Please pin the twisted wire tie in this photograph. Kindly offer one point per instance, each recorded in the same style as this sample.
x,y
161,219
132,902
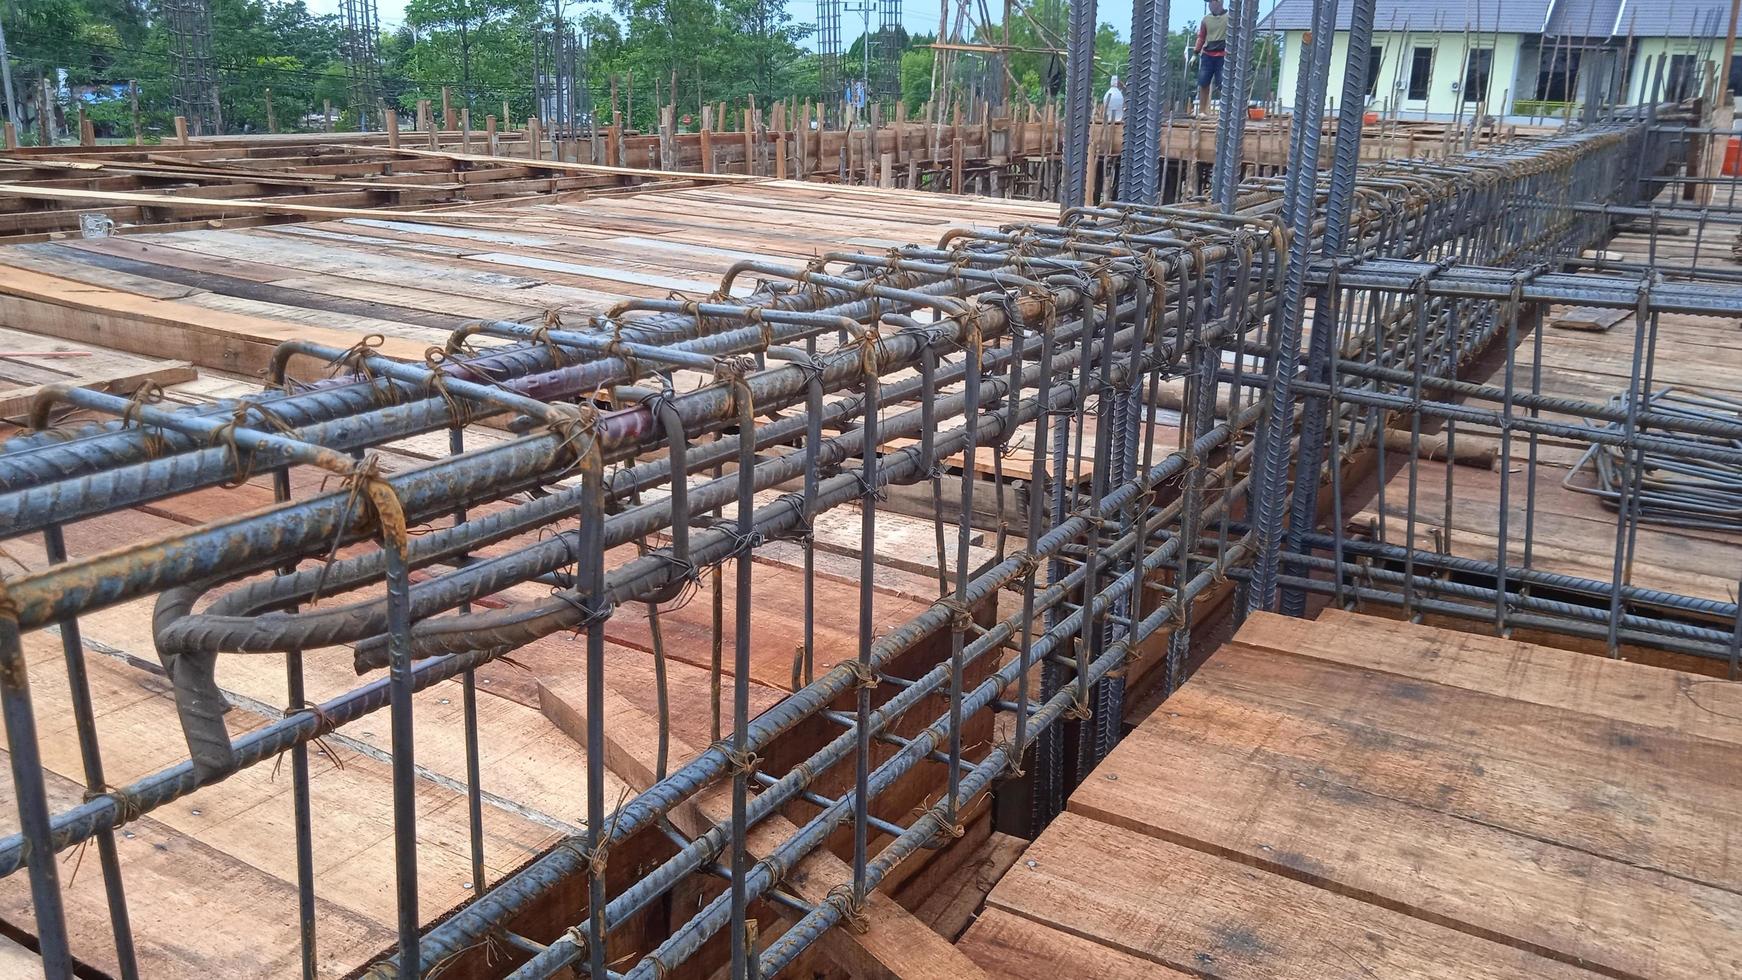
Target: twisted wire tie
x,y
843,901
127,805
355,358
323,724
149,393
433,360
947,829
863,677
553,320
614,348
573,424
1080,709
961,615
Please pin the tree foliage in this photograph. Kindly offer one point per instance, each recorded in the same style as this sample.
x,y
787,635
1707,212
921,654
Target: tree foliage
x,y
690,52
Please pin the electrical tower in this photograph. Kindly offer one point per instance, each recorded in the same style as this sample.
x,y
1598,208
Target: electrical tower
x,y
361,48
195,79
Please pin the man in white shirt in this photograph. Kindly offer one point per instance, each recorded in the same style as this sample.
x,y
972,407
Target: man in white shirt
x,y
1113,103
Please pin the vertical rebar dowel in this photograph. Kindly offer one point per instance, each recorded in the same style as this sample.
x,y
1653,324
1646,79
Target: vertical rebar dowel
x,y
590,577
469,720
32,797
1036,510
1145,90
867,609
1345,157
1079,103
302,810
1276,428
964,540
743,563
79,686
404,768
1236,90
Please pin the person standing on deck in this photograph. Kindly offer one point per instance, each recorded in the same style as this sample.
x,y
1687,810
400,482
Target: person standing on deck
x,y
1113,103
1212,45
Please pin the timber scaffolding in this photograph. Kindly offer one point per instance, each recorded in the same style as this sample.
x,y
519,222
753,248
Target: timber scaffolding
x,y
799,713
238,181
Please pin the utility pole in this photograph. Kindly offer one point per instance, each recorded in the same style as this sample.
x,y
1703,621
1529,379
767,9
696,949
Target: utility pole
x,y
12,103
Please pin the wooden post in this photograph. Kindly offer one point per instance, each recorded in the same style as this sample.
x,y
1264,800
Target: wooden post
x,y
707,141
423,115
44,114
490,136
447,111
11,135
133,98
391,119
668,138
760,135
957,171
780,155
328,103
534,138
271,117
465,130
804,141
749,145
87,132
181,130
886,170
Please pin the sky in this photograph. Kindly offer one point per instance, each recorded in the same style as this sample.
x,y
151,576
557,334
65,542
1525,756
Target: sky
x,y
919,16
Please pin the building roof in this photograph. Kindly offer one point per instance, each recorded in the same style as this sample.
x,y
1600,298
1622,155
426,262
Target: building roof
x,y
1568,18
1583,18
1672,18
1506,16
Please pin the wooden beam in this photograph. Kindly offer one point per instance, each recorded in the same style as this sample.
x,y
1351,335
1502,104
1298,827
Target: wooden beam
x,y
81,313
17,402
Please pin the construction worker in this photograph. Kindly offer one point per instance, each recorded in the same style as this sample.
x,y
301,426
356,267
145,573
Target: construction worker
x,y
1113,103
1212,45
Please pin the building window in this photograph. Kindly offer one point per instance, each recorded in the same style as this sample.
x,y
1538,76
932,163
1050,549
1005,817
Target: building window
x,y
1421,73
1558,79
1476,71
1375,59
1679,80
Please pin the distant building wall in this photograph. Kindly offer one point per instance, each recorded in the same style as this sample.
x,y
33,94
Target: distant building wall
x,y
1684,52
1443,55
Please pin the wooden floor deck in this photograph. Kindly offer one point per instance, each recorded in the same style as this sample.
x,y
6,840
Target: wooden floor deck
x,y
1357,797
211,878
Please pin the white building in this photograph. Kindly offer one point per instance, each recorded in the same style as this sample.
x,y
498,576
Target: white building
x,y
1436,59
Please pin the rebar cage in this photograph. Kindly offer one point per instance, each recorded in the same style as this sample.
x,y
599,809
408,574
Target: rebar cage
x,y
1201,388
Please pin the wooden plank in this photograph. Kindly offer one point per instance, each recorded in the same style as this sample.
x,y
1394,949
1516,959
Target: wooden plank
x,y
1642,796
1010,946
1635,693
1478,878
893,944
955,893
18,401
209,913
1182,909
1590,319
16,960
82,313
249,205
585,168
